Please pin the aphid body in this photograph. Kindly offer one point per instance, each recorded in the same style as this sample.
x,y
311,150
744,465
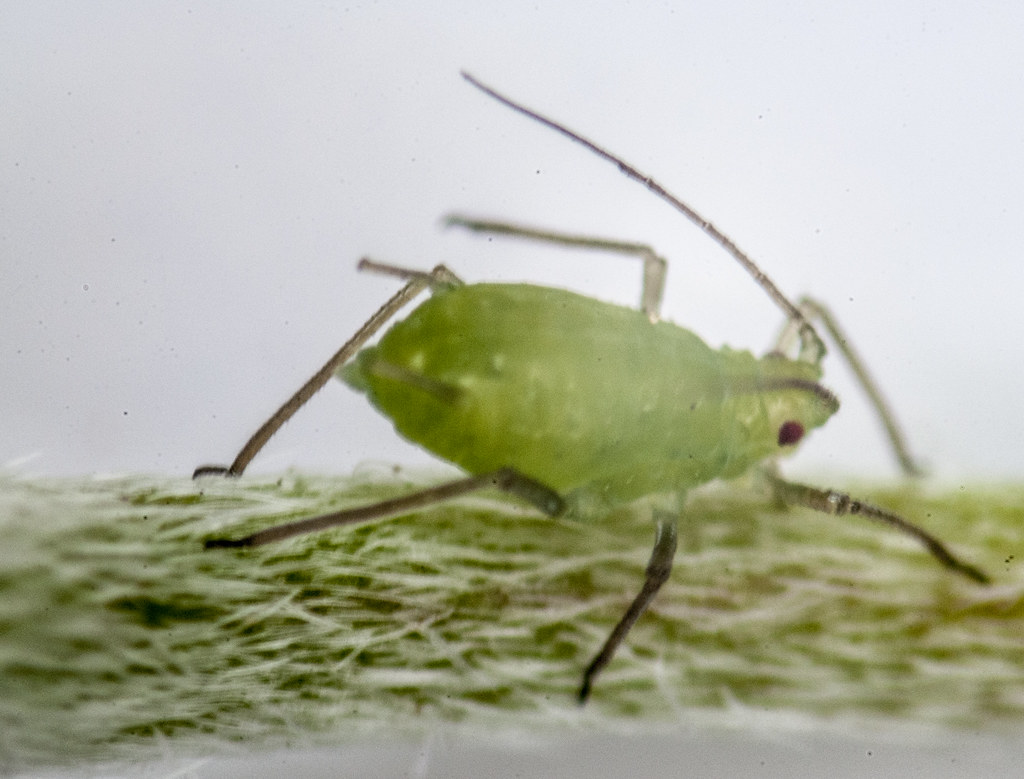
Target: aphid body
x,y
591,399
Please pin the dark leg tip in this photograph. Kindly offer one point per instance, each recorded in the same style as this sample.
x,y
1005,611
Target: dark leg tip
x,y
211,470
225,543
584,693
974,573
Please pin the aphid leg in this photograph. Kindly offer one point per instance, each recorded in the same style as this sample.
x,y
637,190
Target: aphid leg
x,y
840,504
653,283
441,390
816,311
417,282
811,346
658,569
505,479
440,276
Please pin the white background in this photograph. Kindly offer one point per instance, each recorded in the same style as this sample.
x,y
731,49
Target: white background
x,y
187,188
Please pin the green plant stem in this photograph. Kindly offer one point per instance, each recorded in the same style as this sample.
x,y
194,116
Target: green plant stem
x,y
120,633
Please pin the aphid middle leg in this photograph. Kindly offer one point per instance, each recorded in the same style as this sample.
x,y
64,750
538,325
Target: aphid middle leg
x,y
416,284
814,310
840,504
652,286
658,569
505,479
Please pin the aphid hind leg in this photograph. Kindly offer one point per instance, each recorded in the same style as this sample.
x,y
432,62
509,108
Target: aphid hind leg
x,y
654,266
816,311
506,479
417,281
840,504
658,569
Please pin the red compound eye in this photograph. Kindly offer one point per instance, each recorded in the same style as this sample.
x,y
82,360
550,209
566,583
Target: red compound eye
x,y
790,433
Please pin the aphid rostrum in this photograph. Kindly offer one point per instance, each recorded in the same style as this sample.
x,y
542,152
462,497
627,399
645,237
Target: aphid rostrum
x,y
575,405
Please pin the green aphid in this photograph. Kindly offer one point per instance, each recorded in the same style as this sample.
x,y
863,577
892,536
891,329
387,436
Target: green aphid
x,y
577,406
591,399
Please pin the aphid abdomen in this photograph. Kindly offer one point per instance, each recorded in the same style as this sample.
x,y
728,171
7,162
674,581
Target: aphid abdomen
x,y
576,393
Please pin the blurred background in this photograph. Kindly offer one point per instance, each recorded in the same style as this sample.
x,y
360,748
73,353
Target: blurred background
x,y
188,187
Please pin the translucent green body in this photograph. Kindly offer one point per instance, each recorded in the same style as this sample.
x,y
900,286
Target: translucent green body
x,y
589,398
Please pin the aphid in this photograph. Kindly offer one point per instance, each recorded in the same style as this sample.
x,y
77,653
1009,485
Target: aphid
x,y
576,405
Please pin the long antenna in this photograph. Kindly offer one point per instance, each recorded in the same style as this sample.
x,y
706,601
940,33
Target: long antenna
x,y
812,348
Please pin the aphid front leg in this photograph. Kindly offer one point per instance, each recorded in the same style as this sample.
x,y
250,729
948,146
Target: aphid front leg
x,y
658,569
506,479
840,504
417,282
814,310
438,278
652,286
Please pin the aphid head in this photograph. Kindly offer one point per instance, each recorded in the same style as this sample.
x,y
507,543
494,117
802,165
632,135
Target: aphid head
x,y
795,405
772,408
